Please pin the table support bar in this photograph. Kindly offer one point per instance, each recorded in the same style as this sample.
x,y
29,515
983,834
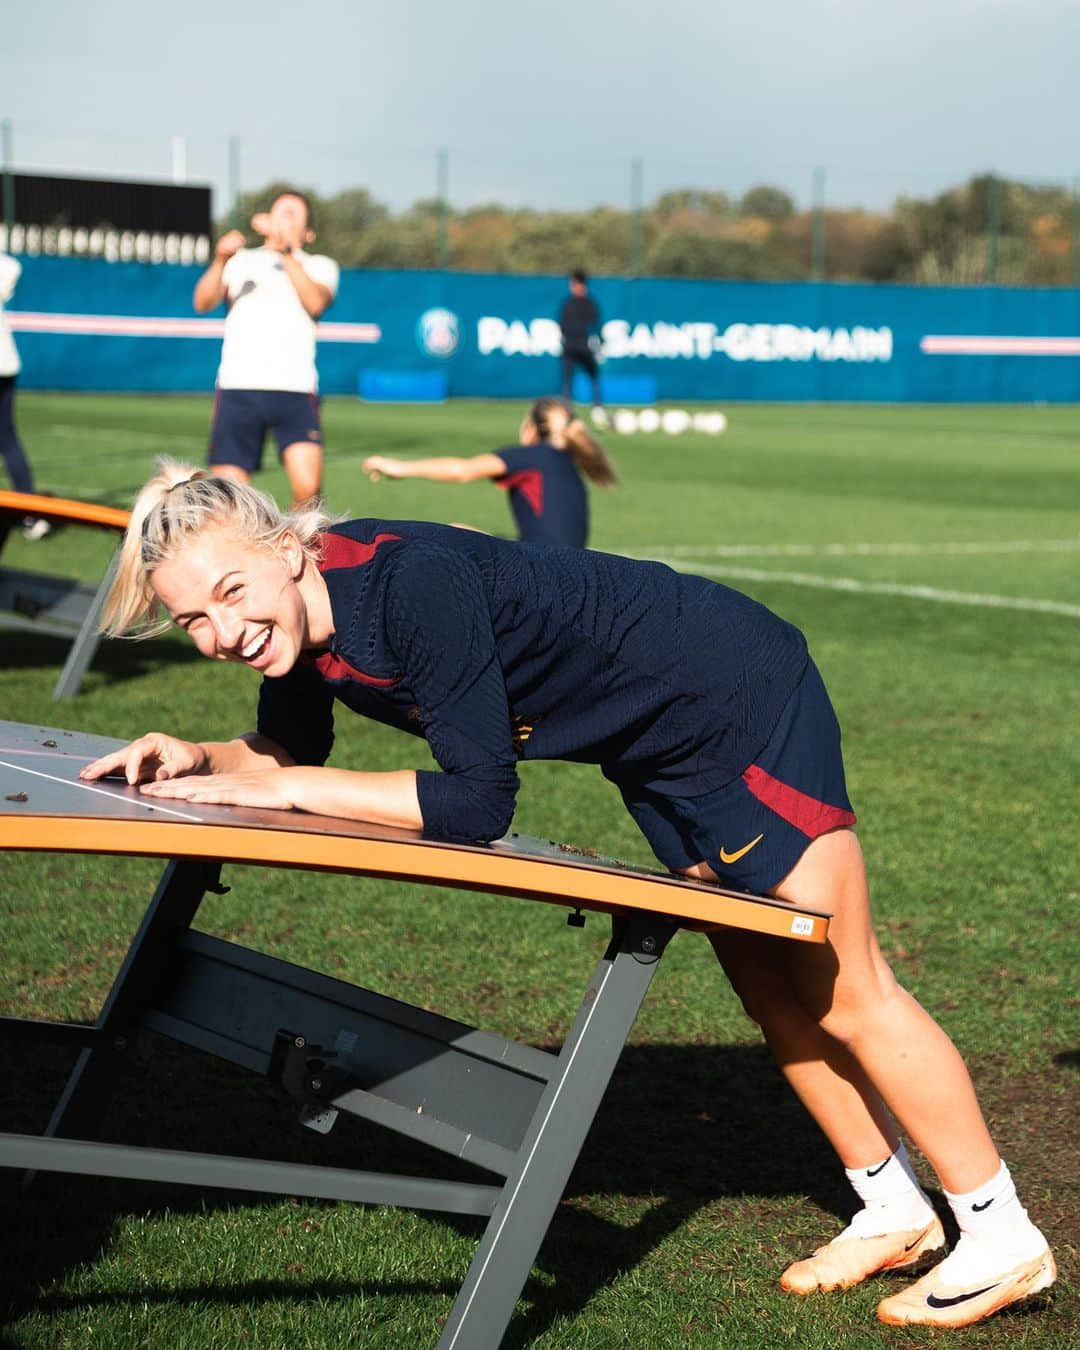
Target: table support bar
x,y
243,1174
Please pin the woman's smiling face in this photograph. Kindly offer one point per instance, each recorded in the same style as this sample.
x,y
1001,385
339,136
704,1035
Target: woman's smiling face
x,y
237,602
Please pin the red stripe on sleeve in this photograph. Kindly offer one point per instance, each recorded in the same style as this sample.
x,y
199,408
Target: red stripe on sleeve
x,y
334,667
341,551
530,483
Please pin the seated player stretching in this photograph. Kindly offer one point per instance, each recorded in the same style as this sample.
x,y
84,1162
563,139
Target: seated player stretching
x,y
701,705
542,474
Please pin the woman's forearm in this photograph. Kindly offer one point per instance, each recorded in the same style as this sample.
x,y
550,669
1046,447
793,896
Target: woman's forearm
x,y
442,469
439,469
210,287
262,783
244,754
381,798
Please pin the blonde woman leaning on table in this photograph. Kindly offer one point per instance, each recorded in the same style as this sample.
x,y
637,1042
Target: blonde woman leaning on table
x,y
700,704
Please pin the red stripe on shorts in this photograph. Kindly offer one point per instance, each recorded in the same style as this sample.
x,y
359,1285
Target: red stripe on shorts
x,y
797,808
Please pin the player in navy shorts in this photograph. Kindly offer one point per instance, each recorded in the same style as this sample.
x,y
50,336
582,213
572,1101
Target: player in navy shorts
x,y
267,381
542,475
243,418
700,704
755,828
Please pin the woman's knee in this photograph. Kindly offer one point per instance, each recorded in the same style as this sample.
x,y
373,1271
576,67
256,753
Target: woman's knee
x,y
761,987
858,1007
764,1004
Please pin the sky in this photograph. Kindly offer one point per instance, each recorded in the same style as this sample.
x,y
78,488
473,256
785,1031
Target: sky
x,y
548,104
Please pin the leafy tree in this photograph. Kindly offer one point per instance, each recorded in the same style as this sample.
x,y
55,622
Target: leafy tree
x,y
691,201
248,203
696,253
344,221
769,203
694,232
889,253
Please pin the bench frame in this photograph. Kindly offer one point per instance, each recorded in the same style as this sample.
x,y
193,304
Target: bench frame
x,y
517,1112
59,606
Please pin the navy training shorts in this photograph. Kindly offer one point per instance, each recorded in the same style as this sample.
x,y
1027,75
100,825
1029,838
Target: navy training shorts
x,y
242,417
753,830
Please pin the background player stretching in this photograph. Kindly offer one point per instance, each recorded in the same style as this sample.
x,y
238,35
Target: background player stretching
x,y
542,474
267,379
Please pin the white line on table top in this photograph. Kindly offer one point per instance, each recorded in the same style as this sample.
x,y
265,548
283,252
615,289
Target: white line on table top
x,y
52,778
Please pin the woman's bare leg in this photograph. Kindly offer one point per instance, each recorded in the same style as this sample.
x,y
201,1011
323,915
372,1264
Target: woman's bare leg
x,y
824,1076
890,1054
303,461
849,990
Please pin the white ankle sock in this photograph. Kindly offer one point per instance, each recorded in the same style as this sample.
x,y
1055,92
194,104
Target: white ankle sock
x,y
891,1194
992,1213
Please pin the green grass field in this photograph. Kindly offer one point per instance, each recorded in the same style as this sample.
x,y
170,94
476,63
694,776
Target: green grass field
x,y
930,555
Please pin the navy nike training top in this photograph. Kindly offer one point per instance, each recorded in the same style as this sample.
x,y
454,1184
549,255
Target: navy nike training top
x,y
547,496
497,651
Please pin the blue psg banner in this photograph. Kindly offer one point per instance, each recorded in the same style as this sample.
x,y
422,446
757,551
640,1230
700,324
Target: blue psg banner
x,y
89,324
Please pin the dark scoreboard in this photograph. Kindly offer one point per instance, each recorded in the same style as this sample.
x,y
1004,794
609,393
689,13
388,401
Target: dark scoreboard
x,y
94,203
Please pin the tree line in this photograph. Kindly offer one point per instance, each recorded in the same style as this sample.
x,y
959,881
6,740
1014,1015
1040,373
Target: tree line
x,y
989,230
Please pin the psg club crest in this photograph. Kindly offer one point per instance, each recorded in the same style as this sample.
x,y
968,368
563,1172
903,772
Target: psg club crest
x,y
438,332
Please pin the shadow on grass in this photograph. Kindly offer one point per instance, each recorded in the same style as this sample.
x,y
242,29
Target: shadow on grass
x,y
682,1125
120,660
235,1295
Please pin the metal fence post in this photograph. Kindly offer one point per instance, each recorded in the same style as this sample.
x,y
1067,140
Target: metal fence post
x,y
234,172
637,206
993,227
442,190
7,172
178,158
1074,235
817,237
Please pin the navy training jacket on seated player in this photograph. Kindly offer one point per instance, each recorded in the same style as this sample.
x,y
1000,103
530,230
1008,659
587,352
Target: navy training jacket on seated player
x,y
547,496
495,651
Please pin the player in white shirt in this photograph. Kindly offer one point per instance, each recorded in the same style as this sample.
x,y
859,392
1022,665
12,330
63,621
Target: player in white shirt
x,y
267,379
22,479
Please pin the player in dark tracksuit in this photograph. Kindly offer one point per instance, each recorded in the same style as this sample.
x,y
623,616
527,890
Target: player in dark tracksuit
x,y
700,704
614,662
542,475
579,323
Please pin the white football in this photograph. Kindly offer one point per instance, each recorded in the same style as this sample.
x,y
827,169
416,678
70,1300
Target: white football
x,y
675,421
648,420
625,421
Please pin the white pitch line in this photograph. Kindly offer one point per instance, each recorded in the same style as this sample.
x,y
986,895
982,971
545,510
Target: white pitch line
x,y
120,433
21,768
905,550
854,586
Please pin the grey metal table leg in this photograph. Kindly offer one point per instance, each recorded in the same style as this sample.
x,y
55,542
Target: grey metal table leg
x,y
168,917
81,652
551,1145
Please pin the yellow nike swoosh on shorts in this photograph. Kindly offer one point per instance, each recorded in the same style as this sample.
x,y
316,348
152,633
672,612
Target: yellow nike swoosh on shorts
x,y
726,857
